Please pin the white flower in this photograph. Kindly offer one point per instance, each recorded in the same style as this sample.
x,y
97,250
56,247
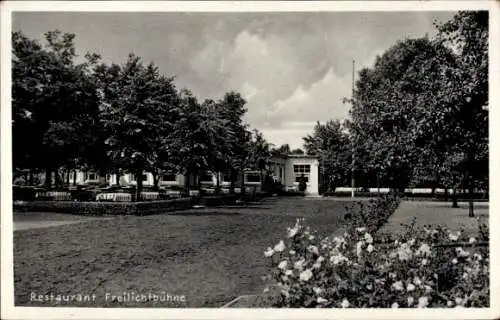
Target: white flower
x,y
293,231
280,246
392,275
449,304
317,290
305,275
428,288
359,247
321,300
311,237
472,240
410,301
283,264
423,302
269,252
266,289
317,264
299,264
345,303
478,257
424,262
313,249
424,250
338,259
417,281
369,248
411,242
288,272
368,238
398,286
369,286
454,261
292,252
458,301
361,230
453,237
410,287
395,305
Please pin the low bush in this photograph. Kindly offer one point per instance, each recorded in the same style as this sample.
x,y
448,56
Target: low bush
x,y
374,214
428,267
104,208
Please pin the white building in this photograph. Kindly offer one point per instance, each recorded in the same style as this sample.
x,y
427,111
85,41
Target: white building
x,y
286,169
291,168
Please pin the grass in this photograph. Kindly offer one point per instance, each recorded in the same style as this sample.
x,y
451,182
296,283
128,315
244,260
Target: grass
x,y
208,255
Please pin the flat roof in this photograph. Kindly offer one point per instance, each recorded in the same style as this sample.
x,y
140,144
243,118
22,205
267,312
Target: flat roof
x,y
296,156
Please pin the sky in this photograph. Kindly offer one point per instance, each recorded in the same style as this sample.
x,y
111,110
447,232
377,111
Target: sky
x,y
293,69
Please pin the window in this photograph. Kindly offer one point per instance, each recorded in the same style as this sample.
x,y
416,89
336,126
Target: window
x,y
281,173
206,177
226,177
92,176
133,177
301,171
169,177
252,177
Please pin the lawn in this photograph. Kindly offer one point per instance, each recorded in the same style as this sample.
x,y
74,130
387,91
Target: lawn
x,y
208,255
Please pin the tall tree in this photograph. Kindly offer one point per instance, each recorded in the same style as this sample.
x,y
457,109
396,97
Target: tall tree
x,y
54,103
135,118
330,143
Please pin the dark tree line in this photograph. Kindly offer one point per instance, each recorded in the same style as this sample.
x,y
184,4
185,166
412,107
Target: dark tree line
x,y
419,115
117,118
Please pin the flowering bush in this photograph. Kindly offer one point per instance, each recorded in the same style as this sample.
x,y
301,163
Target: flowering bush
x,y
374,214
361,270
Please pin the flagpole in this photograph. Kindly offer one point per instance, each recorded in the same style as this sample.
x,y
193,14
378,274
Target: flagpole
x,y
353,150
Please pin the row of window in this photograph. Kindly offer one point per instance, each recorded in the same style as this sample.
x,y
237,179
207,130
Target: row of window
x,y
299,170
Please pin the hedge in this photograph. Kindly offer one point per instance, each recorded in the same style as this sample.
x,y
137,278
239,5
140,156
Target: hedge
x,y
104,208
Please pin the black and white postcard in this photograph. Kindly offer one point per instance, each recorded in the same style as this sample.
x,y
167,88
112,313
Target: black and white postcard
x,y
249,159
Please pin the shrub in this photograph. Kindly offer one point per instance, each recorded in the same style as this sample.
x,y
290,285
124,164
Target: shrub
x,y
430,267
374,214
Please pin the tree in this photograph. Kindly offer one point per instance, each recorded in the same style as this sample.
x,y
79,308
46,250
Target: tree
x,y
231,110
282,150
297,151
137,118
465,94
54,104
384,115
259,152
331,144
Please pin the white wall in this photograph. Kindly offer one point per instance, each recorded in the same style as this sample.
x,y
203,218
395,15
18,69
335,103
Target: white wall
x,y
312,185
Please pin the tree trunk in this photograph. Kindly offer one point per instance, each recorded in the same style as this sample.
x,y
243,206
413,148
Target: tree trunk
x,y
233,178
156,178
243,182
31,178
117,177
446,194
48,178
138,189
68,172
74,177
471,197
454,197
102,177
217,186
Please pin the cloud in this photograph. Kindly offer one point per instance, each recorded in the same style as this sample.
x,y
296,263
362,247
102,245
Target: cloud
x,y
292,68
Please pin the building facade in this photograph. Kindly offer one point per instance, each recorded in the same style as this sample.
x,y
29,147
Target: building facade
x,y
288,170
